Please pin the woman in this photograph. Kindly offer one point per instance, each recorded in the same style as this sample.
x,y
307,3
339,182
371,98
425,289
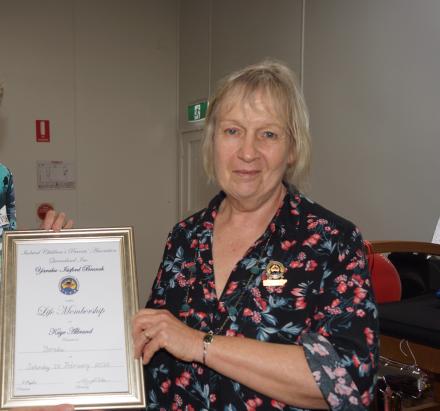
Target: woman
x,y
263,299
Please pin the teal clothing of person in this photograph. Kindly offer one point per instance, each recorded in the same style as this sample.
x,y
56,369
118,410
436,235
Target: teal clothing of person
x,y
7,204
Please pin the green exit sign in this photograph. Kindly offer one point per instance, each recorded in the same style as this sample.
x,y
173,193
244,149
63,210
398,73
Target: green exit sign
x,y
197,111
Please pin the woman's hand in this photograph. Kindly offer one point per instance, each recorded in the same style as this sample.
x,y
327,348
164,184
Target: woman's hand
x,y
156,329
56,221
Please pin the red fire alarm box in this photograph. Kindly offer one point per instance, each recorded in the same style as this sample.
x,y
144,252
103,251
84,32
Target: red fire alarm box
x,y
42,131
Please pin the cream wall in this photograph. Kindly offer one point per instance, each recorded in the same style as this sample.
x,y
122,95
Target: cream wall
x,y
371,77
370,71
104,72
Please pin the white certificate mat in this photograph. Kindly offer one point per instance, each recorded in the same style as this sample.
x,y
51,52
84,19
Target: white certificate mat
x,y
67,303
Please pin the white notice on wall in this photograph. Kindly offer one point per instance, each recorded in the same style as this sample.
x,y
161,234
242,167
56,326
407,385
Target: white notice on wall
x,y
55,175
436,237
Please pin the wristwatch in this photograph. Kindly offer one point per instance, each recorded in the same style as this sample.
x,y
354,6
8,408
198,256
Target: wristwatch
x,y
207,339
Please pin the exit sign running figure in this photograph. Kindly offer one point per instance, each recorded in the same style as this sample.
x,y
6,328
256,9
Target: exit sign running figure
x,y
197,111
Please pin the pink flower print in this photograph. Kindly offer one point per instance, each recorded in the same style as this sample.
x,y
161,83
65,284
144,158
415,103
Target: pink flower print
x,y
353,400
221,307
300,303
178,400
261,303
318,316
256,317
296,264
189,264
343,389
181,280
165,386
194,243
312,240
212,398
360,294
297,292
369,335
356,361
231,333
206,269
311,265
320,349
334,232
352,265
342,287
366,398
341,278
287,245
247,312
329,371
340,372
317,375
208,294
356,278
312,225
333,400
323,332
302,256
184,379
208,225
231,288
184,314
256,292
360,313
277,404
251,405
335,302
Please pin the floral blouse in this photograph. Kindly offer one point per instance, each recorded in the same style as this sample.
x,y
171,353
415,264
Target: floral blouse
x,y
326,305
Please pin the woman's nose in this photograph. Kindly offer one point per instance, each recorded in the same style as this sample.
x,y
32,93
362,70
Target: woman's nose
x,y
248,149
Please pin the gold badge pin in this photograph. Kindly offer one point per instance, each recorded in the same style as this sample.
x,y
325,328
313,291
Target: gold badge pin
x,y
275,274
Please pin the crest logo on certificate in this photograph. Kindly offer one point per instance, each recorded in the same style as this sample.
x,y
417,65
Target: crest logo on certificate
x,y
69,285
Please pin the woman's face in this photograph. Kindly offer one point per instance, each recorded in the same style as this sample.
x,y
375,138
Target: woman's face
x,y
251,148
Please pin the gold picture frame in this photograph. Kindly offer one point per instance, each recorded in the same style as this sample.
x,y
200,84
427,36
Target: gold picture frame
x,y
67,299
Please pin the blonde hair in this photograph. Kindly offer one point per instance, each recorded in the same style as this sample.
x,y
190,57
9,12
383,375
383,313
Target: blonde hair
x,y
279,82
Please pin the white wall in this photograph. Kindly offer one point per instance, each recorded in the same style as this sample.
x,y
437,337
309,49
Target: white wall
x,y
371,82
104,72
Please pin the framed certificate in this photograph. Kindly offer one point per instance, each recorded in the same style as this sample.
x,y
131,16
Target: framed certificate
x,y
67,299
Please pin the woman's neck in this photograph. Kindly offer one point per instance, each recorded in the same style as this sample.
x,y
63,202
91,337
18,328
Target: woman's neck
x,y
236,212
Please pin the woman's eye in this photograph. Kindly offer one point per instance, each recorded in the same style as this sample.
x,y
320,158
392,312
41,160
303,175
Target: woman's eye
x,y
231,131
269,134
